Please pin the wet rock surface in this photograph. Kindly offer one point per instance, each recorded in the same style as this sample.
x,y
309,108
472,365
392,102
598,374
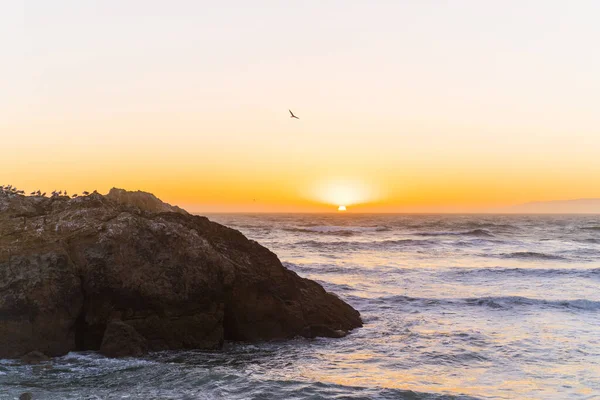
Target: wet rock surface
x,y
122,340
34,357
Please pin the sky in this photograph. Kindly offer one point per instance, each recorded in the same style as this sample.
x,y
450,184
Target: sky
x,y
404,106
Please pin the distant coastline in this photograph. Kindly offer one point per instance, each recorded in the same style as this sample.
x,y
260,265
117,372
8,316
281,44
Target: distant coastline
x,y
576,206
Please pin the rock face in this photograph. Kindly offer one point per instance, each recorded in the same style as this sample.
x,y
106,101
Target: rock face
x,y
122,340
68,267
142,200
34,357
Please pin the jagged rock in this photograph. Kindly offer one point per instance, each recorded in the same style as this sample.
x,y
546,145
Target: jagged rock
x,y
314,331
34,357
70,266
122,340
143,200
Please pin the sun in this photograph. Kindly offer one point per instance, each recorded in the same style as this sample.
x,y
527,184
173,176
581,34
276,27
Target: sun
x,y
341,192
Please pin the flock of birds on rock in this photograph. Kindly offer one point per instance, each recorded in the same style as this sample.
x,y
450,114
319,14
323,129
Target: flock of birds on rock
x,y
9,189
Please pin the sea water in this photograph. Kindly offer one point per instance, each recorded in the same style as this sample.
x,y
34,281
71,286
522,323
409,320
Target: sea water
x,y
473,306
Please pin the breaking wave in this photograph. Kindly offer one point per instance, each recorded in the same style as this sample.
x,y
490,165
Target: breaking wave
x,y
356,245
525,272
338,230
501,302
474,232
532,255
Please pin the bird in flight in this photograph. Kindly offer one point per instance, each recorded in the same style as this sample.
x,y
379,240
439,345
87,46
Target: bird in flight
x,y
293,116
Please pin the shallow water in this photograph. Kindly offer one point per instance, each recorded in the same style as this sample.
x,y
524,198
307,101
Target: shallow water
x,y
494,307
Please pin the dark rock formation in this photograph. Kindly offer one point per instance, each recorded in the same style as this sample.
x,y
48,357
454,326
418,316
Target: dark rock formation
x,y
34,357
122,340
26,396
70,266
313,331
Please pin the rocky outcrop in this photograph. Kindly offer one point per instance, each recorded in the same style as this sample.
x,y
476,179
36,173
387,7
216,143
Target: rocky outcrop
x,y
68,267
122,340
143,200
34,357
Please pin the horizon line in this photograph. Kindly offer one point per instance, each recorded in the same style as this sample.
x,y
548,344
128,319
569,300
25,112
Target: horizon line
x,y
392,213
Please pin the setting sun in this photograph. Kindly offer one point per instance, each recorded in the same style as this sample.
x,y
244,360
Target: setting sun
x,y
343,192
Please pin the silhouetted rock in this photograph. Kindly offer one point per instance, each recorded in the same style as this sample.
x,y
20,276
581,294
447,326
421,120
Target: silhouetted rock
x,y
122,340
34,357
70,266
26,396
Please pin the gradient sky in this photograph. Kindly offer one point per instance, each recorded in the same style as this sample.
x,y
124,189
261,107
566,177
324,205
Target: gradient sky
x,y
404,105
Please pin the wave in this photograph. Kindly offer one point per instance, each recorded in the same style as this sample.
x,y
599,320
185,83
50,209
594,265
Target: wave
x,y
474,232
456,226
502,302
323,268
593,241
488,225
336,288
481,242
453,273
356,245
533,272
591,228
190,379
338,230
532,255
511,301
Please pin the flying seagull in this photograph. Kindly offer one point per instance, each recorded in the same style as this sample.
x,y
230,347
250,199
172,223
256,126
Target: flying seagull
x,y
293,116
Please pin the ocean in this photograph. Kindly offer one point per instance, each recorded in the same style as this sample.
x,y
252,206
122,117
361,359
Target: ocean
x,y
454,306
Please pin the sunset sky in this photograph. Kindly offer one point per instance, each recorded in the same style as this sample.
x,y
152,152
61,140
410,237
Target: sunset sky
x,y
404,106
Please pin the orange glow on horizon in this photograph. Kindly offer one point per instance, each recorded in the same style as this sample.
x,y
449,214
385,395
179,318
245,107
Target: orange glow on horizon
x,y
444,124
280,192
